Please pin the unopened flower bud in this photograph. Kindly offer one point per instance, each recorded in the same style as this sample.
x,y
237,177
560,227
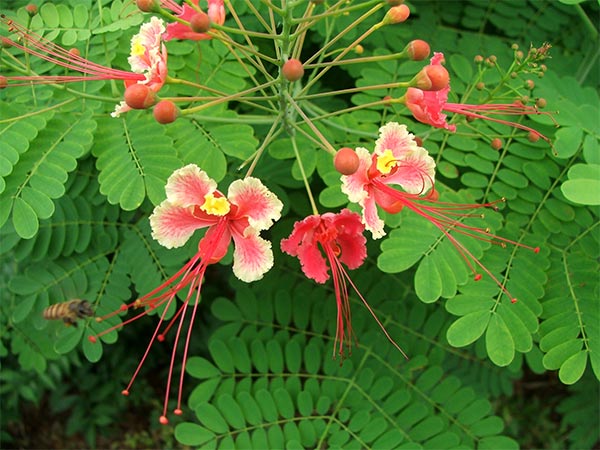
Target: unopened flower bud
x,y
493,59
418,50
513,75
479,86
543,67
139,96
524,99
496,144
541,103
529,84
515,46
346,161
31,9
359,49
74,51
432,78
396,14
519,55
200,23
165,112
216,12
478,59
148,5
292,70
533,136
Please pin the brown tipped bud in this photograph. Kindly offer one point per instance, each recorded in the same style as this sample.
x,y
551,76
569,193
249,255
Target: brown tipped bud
x,y
3,82
74,51
533,136
292,70
165,112
346,161
524,99
200,23
396,14
31,9
478,59
148,5
139,96
479,86
541,102
529,84
432,78
543,67
496,144
418,50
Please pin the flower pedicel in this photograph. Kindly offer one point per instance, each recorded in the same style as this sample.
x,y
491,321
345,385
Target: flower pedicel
x,y
193,202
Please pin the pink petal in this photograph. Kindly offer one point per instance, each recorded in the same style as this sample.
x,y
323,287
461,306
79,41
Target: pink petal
x,y
172,225
427,107
371,218
394,137
252,257
255,202
216,11
188,186
302,243
415,172
355,185
178,30
215,243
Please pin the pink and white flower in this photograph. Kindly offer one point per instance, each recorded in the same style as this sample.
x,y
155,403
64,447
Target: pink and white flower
x,y
396,160
329,242
429,107
193,202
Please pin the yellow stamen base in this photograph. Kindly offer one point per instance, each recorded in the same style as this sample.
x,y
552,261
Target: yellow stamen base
x,y
217,206
386,162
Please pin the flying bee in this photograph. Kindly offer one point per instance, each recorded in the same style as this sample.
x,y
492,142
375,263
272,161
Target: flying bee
x,y
69,311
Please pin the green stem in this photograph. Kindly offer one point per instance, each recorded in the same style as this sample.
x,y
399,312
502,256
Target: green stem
x,y
311,199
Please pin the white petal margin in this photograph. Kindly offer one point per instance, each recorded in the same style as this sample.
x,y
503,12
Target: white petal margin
x,y
370,217
188,186
252,257
256,202
396,138
173,225
354,185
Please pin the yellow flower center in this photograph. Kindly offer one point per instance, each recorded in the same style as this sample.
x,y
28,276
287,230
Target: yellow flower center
x,y
386,162
217,206
137,48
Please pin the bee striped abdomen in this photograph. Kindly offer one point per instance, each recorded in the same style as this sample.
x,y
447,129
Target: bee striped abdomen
x,y
69,312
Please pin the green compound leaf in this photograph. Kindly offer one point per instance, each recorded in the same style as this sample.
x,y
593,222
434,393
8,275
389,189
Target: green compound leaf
x,y
583,185
468,328
498,341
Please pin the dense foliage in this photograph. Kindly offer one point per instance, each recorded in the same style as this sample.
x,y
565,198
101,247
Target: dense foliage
x,y
77,187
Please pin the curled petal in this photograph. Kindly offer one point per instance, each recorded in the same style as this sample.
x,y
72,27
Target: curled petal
x,y
354,186
255,202
178,30
120,109
415,172
189,185
216,11
252,257
146,46
172,225
350,238
395,137
427,107
371,218
303,244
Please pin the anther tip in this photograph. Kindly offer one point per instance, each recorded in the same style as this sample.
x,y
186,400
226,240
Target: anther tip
x,y
160,338
178,411
123,308
536,250
98,319
92,339
513,300
477,277
163,420
125,392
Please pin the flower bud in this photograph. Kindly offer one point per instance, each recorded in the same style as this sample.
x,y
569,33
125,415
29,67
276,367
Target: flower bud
x,y
165,112
359,49
31,9
139,96
148,5
396,14
541,103
478,59
533,136
3,82
529,84
216,12
200,23
496,144
479,86
346,161
418,50
292,70
432,78
74,51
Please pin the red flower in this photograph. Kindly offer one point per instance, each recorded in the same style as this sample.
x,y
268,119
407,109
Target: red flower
x,y
429,106
178,30
332,241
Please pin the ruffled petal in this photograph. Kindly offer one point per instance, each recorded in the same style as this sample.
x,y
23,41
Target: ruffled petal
x,y
427,107
146,46
415,172
189,185
350,238
120,109
255,202
355,185
394,137
371,218
172,225
252,257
